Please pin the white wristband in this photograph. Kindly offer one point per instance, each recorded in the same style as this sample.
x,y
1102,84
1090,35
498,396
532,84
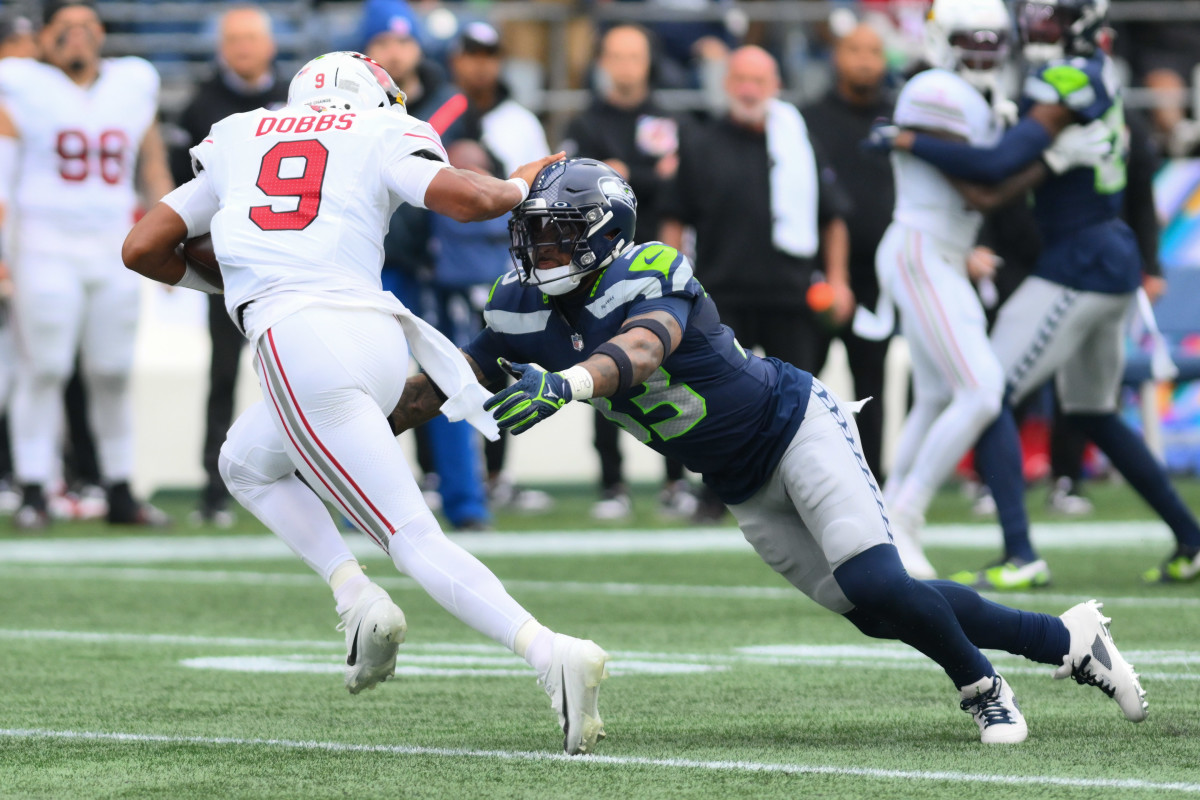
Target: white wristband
x,y
523,186
195,279
580,381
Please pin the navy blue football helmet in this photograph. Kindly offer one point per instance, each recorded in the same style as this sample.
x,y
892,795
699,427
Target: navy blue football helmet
x,y
1055,28
579,206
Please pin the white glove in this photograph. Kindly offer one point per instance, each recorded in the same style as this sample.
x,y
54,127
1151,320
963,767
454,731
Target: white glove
x,y
1080,146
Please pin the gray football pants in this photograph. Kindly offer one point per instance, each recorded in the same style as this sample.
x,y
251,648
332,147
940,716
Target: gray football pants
x,y
1047,329
820,507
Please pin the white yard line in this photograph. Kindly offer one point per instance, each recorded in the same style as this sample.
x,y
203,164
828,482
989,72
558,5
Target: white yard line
x,y
607,588
973,777
162,549
881,655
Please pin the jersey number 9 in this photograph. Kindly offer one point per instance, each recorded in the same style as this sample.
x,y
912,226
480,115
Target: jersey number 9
x,y
305,186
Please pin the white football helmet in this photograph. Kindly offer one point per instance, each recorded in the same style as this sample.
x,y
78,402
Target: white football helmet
x,y
971,38
344,80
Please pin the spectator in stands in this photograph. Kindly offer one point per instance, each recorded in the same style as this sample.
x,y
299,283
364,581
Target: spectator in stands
x,y
510,135
507,129
749,184
243,79
837,123
1163,56
627,130
692,52
390,34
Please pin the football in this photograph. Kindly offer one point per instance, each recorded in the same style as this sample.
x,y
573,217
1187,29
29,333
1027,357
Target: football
x,y
198,252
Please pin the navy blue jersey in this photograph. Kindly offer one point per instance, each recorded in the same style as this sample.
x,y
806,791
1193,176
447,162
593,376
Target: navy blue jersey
x,y
1087,245
723,412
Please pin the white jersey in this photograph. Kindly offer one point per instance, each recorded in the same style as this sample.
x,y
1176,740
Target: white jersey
x,y
938,100
78,145
299,200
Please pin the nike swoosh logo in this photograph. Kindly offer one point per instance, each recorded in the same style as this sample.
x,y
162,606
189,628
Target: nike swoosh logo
x,y
562,682
649,261
352,659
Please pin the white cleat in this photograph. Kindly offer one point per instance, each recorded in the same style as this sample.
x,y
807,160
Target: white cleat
x,y
1093,659
577,667
908,545
994,707
375,628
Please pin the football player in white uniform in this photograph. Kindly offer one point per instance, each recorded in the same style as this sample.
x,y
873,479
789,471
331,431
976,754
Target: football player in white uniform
x,y
922,261
298,201
75,132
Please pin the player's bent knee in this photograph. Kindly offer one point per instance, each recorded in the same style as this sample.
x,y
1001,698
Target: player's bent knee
x,y
49,374
982,403
419,528
107,381
236,478
874,580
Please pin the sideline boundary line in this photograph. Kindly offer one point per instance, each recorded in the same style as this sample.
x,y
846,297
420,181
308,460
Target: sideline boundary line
x,y
166,548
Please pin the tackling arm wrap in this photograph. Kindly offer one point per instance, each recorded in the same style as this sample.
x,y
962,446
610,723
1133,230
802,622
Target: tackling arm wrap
x,y
1021,144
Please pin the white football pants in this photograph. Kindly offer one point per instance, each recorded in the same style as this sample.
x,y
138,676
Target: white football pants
x,y
73,297
330,376
958,383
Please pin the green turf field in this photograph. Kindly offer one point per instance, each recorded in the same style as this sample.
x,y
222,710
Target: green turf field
x,y
205,664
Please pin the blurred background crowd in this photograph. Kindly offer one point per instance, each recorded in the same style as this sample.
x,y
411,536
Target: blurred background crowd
x,y
666,92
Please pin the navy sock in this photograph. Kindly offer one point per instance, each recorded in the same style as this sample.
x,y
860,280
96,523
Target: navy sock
x,y
998,462
1039,637
1128,453
890,604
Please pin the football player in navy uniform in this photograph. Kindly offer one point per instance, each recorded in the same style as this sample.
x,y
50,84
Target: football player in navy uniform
x,y
1067,320
587,315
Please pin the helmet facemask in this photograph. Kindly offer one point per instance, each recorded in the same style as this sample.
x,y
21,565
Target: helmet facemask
x,y
980,55
549,233
971,39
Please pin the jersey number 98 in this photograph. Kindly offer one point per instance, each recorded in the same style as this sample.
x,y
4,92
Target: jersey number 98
x,y
305,187
75,153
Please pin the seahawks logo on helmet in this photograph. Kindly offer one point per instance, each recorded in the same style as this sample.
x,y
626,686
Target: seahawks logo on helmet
x,y
580,207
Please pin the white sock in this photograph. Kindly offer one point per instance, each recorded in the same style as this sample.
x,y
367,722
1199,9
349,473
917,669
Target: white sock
x,y
535,644
347,582
456,580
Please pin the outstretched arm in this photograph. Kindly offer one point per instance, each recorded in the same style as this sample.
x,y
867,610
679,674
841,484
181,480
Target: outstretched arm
x,y
624,361
1020,145
467,196
982,197
641,346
